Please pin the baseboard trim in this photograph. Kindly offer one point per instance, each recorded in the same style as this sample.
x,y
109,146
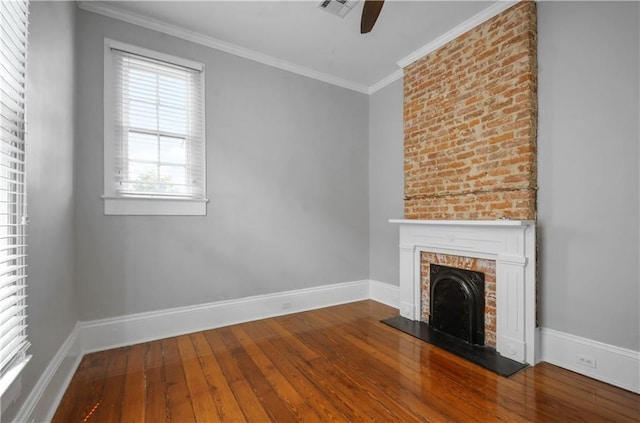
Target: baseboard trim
x,y
384,293
614,365
133,329
42,402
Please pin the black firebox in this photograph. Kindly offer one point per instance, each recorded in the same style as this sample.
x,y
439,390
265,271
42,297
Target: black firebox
x,y
457,303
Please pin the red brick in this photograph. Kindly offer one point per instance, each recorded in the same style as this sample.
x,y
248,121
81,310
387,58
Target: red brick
x,y
470,123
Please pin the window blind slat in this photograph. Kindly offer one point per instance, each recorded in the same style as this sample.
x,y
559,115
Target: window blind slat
x,y
14,60
13,347
11,312
11,324
11,301
9,141
15,107
4,180
19,12
12,81
10,158
12,257
10,280
9,291
16,97
13,43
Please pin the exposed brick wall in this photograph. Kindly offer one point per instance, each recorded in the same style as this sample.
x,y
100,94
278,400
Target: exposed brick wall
x,y
470,120
488,267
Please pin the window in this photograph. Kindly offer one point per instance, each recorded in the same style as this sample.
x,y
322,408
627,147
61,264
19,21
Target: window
x,y
13,55
154,133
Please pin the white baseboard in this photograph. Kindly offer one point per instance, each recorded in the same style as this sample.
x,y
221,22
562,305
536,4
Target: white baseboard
x,y
42,402
614,365
384,293
104,334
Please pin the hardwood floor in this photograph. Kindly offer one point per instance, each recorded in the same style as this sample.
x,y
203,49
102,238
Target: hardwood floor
x,y
334,364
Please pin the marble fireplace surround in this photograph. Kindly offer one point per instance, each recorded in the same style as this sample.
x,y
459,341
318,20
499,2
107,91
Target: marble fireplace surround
x,y
511,243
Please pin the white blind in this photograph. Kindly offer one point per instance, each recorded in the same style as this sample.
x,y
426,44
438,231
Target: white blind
x,y
158,128
13,54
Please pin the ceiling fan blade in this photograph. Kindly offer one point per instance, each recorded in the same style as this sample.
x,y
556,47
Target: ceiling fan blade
x,y
370,14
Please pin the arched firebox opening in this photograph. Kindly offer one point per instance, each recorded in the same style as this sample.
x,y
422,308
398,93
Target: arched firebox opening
x,y
457,303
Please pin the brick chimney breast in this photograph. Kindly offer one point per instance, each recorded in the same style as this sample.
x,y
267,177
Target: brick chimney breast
x,y
470,123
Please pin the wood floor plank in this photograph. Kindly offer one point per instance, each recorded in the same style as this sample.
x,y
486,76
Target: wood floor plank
x,y
376,381
326,383
204,407
434,363
110,403
592,389
87,385
364,378
134,396
242,389
443,386
443,369
295,375
178,398
297,404
335,364
392,369
156,402
277,408
226,405
580,403
332,378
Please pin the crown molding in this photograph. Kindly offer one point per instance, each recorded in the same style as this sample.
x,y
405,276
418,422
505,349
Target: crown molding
x,y
386,81
159,26
214,43
451,35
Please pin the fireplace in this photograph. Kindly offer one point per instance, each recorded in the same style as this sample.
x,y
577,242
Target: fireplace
x,y
510,244
457,303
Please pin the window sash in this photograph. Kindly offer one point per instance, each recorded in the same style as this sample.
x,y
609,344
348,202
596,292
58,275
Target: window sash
x,y
155,100
13,206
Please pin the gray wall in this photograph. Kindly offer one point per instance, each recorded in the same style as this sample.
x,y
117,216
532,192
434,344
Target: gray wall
x,y
386,181
53,309
287,183
588,170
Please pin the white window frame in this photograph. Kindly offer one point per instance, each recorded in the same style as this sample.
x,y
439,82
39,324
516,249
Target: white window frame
x,y
115,204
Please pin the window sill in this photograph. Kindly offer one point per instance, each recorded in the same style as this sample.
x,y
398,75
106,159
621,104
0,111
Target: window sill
x,y
138,206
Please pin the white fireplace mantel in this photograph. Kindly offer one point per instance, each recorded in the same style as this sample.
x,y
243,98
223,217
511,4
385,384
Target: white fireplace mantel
x,y
511,243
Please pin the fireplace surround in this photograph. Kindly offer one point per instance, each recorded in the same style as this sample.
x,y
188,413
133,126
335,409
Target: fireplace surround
x,y
511,243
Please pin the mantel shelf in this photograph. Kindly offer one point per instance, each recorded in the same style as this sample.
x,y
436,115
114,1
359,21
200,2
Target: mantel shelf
x,y
500,222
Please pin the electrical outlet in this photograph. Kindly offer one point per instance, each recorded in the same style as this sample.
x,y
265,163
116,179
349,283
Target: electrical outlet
x,y
286,305
585,360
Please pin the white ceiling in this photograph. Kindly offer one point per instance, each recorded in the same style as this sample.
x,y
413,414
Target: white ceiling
x,y
297,35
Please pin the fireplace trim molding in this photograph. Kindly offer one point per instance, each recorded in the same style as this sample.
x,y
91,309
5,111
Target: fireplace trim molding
x,y
511,243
